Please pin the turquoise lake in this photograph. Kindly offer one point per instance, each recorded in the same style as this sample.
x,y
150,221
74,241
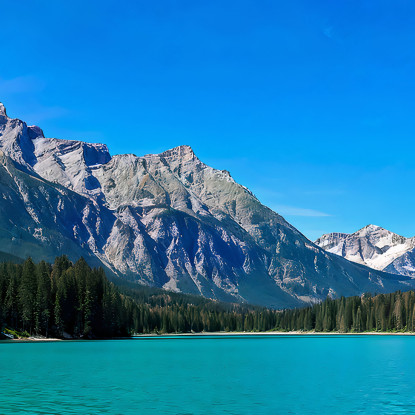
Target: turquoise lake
x,y
210,375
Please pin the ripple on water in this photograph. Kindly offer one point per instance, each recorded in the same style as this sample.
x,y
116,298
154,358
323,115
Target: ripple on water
x,y
273,375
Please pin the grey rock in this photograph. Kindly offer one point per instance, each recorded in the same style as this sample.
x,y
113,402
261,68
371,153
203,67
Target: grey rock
x,y
375,247
166,220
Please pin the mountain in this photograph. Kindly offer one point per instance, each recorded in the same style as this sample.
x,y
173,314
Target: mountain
x,y
166,220
375,247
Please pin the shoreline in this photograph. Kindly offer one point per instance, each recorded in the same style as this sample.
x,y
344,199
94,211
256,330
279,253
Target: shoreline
x,y
270,333
31,340
213,334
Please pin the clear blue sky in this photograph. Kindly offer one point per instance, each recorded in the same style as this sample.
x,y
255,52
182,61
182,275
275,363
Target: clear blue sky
x,y
311,104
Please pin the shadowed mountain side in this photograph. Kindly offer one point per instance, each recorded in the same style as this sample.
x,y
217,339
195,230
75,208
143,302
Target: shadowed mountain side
x,y
375,247
41,219
165,220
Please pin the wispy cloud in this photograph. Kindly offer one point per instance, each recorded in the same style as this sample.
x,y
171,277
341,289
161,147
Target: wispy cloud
x,y
328,32
27,88
21,84
286,210
46,113
324,192
332,34
90,136
264,192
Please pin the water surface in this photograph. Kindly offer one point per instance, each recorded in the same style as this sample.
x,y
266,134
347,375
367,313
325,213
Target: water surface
x,y
211,375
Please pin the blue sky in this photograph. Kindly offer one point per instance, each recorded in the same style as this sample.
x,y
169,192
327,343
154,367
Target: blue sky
x,y
309,104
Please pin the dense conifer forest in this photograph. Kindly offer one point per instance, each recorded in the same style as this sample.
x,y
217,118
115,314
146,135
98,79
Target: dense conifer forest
x,y
393,312
74,300
61,300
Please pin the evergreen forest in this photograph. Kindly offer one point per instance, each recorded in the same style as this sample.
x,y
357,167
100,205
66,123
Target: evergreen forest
x,y
68,300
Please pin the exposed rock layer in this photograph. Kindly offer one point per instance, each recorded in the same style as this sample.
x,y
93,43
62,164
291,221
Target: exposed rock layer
x,y
375,247
166,220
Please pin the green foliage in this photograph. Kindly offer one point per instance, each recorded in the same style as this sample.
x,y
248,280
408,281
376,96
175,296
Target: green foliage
x,y
61,299
393,312
17,334
73,299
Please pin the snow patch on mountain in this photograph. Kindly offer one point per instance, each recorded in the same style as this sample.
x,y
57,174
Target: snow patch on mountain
x,y
373,246
166,220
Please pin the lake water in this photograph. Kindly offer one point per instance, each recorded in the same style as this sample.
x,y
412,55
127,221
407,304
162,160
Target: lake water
x,y
211,375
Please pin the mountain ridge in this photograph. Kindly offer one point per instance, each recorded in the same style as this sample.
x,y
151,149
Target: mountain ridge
x,y
166,220
375,247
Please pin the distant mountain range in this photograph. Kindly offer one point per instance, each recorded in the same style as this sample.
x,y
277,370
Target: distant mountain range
x,y
375,247
165,220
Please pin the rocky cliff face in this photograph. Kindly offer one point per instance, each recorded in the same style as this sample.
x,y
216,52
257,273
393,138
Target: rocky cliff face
x,y
375,247
167,220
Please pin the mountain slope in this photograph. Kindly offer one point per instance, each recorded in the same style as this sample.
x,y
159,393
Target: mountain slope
x,y
41,219
165,220
375,247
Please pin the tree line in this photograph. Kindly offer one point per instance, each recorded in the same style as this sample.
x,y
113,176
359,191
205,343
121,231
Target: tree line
x,y
66,299
393,312
61,300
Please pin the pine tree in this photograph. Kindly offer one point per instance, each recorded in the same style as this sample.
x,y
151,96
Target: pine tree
x,y
27,294
43,299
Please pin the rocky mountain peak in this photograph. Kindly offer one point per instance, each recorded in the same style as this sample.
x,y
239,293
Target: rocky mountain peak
x,y
3,110
35,132
162,219
375,247
328,239
370,229
182,153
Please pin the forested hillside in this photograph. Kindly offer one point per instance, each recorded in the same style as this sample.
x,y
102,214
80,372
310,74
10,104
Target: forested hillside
x,y
382,313
60,300
194,229
72,299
